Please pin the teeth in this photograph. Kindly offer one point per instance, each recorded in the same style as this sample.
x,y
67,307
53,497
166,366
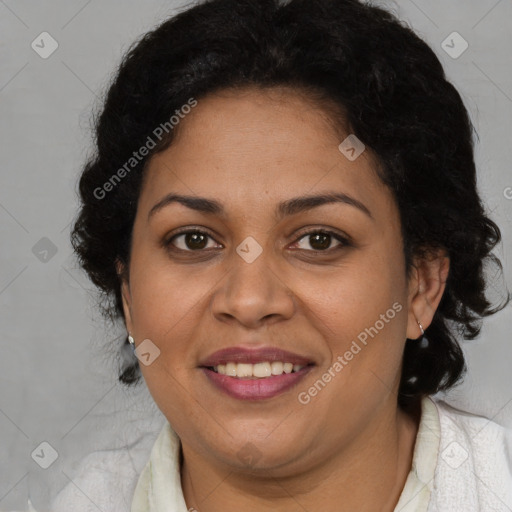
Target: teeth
x,y
244,370
259,370
230,369
276,368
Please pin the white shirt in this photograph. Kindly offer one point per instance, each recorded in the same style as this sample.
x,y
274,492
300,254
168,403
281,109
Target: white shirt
x,y
461,462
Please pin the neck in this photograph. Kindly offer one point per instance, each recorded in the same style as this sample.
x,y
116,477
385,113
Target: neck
x,y
367,474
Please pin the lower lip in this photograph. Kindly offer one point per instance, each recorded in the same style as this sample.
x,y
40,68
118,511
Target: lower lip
x,y
255,389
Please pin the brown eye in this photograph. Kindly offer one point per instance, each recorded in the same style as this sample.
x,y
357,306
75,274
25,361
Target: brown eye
x,y
190,240
321,240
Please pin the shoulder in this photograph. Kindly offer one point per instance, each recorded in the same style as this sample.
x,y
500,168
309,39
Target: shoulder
x,y
104,480
478,432
474,466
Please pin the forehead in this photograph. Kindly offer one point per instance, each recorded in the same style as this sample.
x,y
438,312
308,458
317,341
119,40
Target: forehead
x,y
252,144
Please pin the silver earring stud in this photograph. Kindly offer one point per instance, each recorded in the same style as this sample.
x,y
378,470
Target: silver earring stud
x,y
131,340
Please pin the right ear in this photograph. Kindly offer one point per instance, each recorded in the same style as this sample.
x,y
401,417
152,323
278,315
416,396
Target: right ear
x,y
122,273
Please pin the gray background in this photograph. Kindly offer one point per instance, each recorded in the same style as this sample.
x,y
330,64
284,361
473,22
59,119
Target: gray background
x,y
57,374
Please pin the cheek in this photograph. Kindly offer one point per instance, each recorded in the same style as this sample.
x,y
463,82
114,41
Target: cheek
x,y
165,310
360,311
164,300
355,295
164,304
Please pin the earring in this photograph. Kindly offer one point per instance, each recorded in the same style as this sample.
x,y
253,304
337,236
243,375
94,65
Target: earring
x,y
131,341
424,340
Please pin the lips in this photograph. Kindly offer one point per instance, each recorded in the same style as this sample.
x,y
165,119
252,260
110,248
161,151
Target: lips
x,y
253,356
255,388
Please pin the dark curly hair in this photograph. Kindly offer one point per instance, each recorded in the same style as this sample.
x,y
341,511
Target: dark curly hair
x,y
394,96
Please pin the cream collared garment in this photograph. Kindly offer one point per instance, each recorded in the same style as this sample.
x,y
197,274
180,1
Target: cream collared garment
x,y
417,490
159,484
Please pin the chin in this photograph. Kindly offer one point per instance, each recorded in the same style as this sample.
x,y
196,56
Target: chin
x,y
259,454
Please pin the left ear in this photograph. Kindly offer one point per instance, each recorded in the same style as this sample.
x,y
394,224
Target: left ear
x,y
427,283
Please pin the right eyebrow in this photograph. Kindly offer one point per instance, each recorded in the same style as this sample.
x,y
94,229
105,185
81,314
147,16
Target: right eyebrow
x,y
200,204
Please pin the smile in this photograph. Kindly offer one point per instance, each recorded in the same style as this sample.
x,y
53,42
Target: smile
x,y
255,373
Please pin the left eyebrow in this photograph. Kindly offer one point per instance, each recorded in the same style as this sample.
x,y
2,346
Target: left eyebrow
x,y
285,208
303,203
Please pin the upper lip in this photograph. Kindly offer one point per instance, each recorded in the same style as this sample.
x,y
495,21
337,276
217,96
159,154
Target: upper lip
x,y
253,356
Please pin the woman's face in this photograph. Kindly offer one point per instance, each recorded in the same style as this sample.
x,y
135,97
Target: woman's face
x,y
260,272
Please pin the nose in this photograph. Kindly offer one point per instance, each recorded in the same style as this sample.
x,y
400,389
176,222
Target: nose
x,y
252,294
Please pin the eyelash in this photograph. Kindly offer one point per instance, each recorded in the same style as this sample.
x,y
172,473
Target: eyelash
x,y
344,241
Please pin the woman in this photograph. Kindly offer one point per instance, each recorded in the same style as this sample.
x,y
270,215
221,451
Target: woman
x,y
283,207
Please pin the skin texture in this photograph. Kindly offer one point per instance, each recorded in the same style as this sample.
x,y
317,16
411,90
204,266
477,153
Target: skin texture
x,y
350,448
